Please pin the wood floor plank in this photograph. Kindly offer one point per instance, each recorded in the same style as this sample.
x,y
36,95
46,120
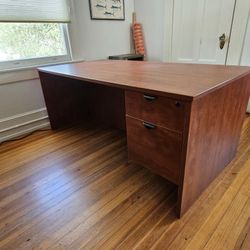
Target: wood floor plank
x,y
33,144
138,209
183,230
26,154
215,218
196,238
125,238
26,168
146,226
74,189
225,236
68,207
232,223
56,169
50,183
55,196
100,209
120,215
244,238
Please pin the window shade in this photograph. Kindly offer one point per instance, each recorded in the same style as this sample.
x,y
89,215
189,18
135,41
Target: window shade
x,y
52,11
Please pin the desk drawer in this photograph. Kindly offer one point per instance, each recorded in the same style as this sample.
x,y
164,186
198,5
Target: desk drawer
x,y
154,147
159,110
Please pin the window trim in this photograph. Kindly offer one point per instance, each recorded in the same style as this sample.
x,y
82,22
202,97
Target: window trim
x,y
40,61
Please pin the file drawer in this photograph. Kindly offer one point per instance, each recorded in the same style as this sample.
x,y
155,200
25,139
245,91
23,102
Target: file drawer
x,y
154,147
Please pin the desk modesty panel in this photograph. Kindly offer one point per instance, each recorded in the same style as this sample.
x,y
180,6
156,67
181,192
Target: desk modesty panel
x,y
183,121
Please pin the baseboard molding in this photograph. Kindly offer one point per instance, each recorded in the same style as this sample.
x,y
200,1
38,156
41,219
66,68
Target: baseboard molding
x,y
22,124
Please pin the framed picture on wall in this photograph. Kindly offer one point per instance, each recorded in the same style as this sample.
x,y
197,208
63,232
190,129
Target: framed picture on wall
x,y
107,9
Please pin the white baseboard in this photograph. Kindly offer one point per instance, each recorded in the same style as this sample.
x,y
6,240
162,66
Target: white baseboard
x,y
21,124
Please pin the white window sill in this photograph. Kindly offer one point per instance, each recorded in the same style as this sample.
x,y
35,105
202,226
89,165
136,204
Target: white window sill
x,y
23,74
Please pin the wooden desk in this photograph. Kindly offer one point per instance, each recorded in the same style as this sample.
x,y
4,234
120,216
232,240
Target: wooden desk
x,y
183,121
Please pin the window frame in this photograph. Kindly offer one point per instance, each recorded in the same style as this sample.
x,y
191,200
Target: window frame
x,y
12,65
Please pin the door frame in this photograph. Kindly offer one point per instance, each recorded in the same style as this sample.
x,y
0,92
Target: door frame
x,y
168,31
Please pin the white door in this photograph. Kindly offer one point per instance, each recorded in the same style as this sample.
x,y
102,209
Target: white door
x,y
197,26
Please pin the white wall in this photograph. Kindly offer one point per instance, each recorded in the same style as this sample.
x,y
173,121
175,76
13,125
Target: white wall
x,y
26,95
22,107
97,39
152,16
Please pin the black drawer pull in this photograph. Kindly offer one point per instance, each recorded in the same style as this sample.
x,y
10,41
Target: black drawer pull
x,y
149,125
149,97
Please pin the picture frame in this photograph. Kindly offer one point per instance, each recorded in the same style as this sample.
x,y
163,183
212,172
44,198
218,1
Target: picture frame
x,y
107,10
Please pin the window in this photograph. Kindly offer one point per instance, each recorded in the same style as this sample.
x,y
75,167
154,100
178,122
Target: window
x,y
27,44
33,33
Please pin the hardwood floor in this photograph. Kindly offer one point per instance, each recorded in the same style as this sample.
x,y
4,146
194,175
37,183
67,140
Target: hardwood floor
x,y
73,189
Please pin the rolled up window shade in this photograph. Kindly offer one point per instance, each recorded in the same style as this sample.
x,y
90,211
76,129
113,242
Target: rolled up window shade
x,y
52,11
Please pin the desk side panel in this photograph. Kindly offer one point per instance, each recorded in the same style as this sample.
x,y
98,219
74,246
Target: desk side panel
x,y
214,132
65,99
71,101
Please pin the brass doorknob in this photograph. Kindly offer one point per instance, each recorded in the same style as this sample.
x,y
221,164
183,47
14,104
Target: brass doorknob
x,y
222,40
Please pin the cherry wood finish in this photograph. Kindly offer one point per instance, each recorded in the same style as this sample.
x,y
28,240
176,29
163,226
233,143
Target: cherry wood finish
x,y
156,148
62,96
71,101
198,111
213,137
185,81
166,112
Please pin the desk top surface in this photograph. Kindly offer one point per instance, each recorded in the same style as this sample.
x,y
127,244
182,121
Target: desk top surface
x,y
173,79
